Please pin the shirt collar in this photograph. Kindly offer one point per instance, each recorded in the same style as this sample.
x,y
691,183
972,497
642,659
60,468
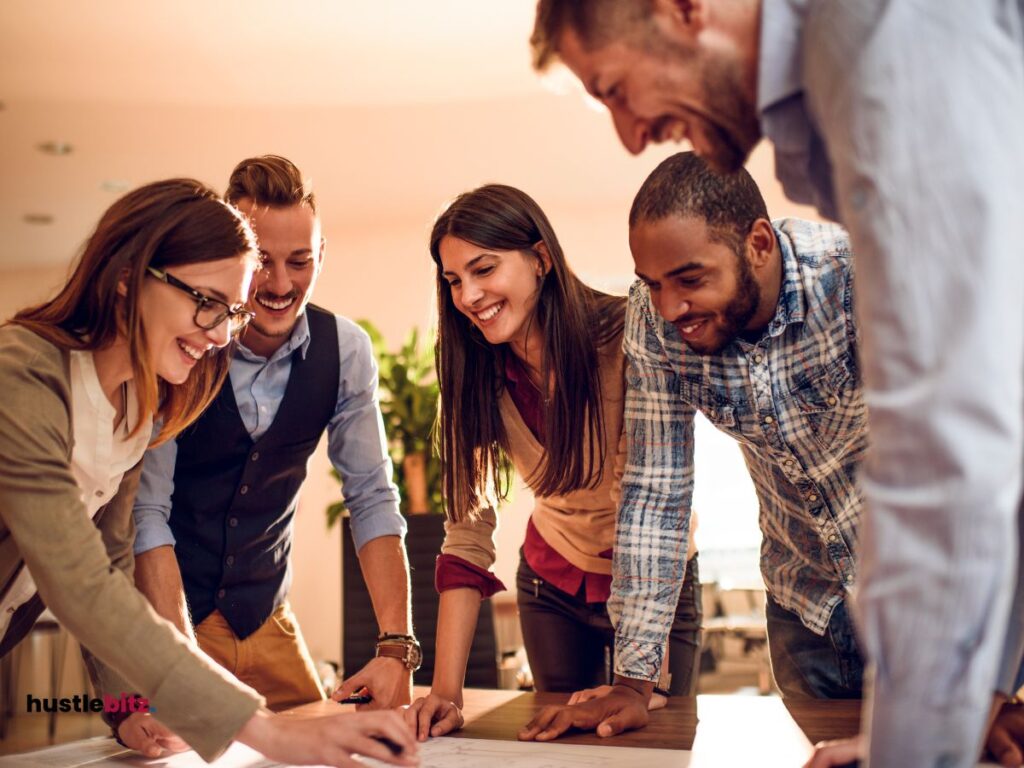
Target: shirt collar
x,y
299,339
780,59
792,304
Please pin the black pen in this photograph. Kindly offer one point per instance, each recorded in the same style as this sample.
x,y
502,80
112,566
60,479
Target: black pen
x,y
357,698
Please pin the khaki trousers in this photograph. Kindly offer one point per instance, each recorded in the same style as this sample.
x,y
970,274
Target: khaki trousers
x,y
274,660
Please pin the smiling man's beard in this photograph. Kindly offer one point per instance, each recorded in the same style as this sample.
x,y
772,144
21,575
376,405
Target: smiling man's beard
x,y
737,313
723,95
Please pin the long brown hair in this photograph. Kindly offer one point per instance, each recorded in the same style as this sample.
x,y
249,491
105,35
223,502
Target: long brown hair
x,y
575,321
163,224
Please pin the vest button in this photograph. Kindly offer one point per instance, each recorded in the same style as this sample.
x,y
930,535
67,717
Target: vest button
x,y
221,593
243,490
230,560
255,455
233,522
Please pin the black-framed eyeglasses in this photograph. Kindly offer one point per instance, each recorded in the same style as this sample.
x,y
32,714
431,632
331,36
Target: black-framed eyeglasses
x,y
210,312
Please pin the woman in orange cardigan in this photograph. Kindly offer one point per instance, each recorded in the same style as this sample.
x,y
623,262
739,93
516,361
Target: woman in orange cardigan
x,y
532,375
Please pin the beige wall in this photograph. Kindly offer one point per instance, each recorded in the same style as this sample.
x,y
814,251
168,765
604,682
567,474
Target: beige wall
x,y
378,266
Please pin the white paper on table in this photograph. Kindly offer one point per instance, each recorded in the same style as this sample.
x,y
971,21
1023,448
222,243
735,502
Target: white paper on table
x,y
104,752
474,753
435,753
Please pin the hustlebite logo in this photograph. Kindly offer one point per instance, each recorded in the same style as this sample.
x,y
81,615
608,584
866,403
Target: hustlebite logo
x,y
127,703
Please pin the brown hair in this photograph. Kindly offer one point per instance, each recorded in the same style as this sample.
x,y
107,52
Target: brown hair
x,y
270,180
163,224
575,321
596,22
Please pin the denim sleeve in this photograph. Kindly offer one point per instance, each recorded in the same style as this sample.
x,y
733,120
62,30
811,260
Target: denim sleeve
x,y
357,445
654,514
928,184
152,510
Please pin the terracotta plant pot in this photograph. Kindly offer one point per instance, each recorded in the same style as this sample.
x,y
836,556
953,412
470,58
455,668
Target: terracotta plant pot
x,y
414,470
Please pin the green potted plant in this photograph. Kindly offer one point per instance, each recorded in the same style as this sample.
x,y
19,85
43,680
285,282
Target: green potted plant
x,y
408,403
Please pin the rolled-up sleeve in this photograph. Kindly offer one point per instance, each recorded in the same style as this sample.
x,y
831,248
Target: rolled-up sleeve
x,y
657,486
357,444
152,510
921,105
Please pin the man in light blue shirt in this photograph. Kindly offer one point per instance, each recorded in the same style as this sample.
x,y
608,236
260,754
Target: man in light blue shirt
x,y
214,511
901,119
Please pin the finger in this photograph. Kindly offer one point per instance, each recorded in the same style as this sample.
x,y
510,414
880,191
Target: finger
x,y
137,737
451,721
559,724
368,747
611,726
391,725
539,722
627,718
348,687
657,702
426,717
174,745
833,755
149,746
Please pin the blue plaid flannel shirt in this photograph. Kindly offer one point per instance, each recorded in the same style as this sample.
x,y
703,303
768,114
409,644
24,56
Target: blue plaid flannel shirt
x,y
793,402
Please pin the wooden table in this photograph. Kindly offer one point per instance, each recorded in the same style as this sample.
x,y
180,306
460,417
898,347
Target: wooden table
x,y
720,730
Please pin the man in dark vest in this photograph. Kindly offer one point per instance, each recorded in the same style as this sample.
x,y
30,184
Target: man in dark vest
x,y
215,508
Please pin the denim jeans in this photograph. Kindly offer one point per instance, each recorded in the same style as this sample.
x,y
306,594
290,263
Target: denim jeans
x,y
567,639
811,666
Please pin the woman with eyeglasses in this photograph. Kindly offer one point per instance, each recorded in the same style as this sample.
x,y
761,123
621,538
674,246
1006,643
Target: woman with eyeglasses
x,y
532,375
133,337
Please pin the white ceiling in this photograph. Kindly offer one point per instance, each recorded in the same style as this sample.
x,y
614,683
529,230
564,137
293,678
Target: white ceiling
x,y
391,106
217,52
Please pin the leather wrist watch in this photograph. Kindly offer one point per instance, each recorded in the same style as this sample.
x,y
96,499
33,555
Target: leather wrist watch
x,y
405,648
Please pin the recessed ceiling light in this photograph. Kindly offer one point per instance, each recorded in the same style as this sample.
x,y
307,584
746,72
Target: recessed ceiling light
x,y
37,218
115,185
54,148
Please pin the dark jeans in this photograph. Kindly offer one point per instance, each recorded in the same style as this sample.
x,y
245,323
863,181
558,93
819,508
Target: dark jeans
x,y
810,666
568,640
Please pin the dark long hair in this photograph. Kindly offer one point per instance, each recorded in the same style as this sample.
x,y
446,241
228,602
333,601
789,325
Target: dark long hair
x,y
575,321
163,224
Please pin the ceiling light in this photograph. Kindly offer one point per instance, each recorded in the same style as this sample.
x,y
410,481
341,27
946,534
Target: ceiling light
x,y
115,185
54,148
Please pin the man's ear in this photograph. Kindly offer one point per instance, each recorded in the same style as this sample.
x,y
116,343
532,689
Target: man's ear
x,y
684,18
760,243
321,252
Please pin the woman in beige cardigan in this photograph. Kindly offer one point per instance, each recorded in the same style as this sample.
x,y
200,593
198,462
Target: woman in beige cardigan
x,y
532,375
134,336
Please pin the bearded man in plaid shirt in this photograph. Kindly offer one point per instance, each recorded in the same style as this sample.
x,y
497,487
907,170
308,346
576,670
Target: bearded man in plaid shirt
x,y
751,323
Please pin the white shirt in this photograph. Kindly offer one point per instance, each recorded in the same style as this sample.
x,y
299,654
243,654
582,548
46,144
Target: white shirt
x,y
101,455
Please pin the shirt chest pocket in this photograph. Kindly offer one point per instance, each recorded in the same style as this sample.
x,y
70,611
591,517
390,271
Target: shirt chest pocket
x,y
832,405
724,414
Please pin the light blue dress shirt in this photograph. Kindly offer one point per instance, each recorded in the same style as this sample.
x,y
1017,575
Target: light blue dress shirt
x,y
356,443
904,120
